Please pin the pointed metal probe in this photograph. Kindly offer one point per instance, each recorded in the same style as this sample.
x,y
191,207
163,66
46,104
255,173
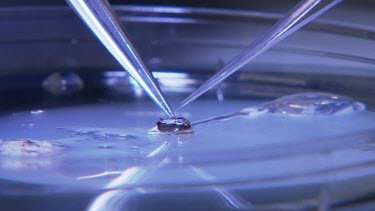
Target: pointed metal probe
x,y
294,20
100,18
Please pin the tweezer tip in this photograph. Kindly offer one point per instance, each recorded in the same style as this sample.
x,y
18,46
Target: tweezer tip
x,y
168,111
181,106
188,100
191,97
185,102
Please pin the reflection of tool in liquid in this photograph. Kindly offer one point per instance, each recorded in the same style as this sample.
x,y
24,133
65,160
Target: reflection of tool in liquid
x,y
120,188
299,16
98,15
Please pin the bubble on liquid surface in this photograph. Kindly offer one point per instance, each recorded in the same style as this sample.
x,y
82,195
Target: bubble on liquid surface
x,y
312,103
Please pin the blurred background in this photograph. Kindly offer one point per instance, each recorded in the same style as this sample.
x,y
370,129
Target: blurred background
x,y
40,38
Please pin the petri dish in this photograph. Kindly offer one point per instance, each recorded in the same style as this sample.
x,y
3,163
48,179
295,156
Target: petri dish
x,y
81,138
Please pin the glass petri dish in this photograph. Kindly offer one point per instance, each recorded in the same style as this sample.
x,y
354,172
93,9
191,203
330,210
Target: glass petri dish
x,y
89,142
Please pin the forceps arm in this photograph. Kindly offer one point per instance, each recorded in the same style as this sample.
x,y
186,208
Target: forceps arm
x,y
100,18
299,16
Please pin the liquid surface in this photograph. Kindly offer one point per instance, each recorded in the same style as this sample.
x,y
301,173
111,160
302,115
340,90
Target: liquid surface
x,y
108,146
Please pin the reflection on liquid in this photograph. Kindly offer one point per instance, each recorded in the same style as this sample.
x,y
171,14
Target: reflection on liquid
x,y
118,195
26,163
128,186
231,198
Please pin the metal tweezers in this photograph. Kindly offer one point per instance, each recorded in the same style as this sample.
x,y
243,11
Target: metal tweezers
x,y
300,15
100,18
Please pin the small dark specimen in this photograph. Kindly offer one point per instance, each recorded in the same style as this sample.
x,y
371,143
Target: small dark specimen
x,y
173,124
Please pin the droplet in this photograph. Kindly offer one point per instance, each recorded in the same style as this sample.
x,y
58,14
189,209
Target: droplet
x,y
315,104
311,103
63,83
301,104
